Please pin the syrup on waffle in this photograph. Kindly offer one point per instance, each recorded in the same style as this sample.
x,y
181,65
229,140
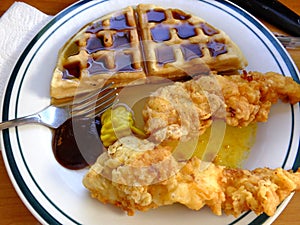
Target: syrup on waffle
x,y
176,43
104,51
131,44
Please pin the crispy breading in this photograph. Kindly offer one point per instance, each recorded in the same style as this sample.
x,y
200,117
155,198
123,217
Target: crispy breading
x,y
132,179
186,108
249,97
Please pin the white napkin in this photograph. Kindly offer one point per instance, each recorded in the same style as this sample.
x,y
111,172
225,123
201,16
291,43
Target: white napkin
x,y
18,25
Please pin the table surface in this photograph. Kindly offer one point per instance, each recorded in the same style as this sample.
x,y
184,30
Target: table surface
x,y
13,211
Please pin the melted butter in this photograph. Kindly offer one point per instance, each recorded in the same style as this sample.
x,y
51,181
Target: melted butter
x,y
224,145
234,148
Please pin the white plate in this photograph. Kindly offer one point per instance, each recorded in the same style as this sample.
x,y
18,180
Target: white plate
x,y
55,195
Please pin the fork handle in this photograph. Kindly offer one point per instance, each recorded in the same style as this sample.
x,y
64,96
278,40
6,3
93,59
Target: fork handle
x,y
19,121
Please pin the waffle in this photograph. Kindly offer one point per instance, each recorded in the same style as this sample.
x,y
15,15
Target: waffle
x,y
132,44
106,50
177,43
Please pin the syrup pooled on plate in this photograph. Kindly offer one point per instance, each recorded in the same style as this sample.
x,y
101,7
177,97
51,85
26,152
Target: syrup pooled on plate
x,y
76,143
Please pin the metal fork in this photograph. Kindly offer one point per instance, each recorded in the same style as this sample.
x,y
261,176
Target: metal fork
x,y
92,104
288,41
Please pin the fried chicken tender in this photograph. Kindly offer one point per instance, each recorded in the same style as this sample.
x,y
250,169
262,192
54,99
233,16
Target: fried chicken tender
x,y
135,175
189,107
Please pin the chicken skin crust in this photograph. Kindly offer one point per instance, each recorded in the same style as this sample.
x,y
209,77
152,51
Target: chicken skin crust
x,y
148,177
184,108
141,174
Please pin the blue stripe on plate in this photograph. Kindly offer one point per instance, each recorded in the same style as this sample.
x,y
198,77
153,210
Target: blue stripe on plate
x,y
297,161
291,138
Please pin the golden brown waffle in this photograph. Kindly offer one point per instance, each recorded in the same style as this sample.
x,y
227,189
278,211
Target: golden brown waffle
x,y
176,43
169,42
105,50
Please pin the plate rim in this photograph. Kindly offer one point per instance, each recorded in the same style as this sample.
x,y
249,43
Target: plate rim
x,y
7,151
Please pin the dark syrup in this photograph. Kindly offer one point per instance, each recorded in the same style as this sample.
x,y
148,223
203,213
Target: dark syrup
x,y
216,48
156,16
76,144
94,44
208,30
191,51
160,33
179,15
97,66
185,30
115,23
119,23
71,71
165,54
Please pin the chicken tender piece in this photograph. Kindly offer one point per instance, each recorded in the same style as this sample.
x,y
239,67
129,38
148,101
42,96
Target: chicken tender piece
x,y
135,175
189,108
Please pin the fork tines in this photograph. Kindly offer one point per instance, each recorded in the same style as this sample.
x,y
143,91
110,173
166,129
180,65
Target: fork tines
x,y
94,103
